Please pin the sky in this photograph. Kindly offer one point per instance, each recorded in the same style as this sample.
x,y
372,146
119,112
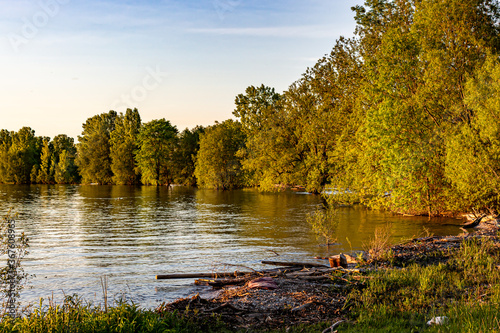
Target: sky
x,y
63,61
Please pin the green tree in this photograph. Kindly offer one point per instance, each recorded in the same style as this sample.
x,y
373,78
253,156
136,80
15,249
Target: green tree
x,y
270,142
5,143
123,146
93,158
185,156
22,156
157,142
473,160
217,164
46,172
65,169
416,55
64,155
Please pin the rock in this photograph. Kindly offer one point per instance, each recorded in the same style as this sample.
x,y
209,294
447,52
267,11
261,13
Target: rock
x,y
438,321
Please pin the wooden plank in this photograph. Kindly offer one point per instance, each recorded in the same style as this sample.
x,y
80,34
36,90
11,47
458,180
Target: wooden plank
x,y
291,263
198,275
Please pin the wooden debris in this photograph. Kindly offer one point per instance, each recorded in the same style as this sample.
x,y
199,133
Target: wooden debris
x,y
291,263
223,306
334,326
197,275
474,223
302,307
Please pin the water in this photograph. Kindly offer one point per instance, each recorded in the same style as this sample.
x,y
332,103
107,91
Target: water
x,y
80,234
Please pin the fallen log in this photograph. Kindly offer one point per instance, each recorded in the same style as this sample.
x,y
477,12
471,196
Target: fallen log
x,y
219,283
198,275
223,306
224,274
474,223
291,263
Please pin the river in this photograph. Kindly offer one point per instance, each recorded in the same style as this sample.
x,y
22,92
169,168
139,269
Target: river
x,y
80,235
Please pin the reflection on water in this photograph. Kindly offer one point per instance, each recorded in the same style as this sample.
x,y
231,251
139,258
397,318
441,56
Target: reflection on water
x,y
80,233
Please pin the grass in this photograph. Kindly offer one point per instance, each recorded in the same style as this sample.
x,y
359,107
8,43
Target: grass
x,y
76,316
465,289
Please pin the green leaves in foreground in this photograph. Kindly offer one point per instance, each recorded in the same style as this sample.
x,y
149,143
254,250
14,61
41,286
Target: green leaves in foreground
x,y
75,316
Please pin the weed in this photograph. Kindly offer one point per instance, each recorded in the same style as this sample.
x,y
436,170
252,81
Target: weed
x,y
465,289
324,223
378,246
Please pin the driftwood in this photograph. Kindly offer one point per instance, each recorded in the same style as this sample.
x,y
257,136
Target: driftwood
x,y
474,223
219,283
216,275
334,326
223,306
291,263
198,275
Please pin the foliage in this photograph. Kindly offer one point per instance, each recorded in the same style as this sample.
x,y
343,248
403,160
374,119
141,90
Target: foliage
x,y
378,245
417,55
266,154
21,156
473,163
64,155
74,315
123,140
217,164
324,222
185,156
13,279
93,158
156,145
47,166
298,137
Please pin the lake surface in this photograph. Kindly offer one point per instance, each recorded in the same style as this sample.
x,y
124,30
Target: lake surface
x,y
80,234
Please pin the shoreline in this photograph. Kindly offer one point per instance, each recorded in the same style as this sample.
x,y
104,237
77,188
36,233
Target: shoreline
x,y
313,296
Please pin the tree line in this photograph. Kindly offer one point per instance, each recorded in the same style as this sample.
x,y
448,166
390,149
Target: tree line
x,y
404,116
113,149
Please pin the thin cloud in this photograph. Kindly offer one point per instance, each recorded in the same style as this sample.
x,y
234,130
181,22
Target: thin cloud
x,y
311,31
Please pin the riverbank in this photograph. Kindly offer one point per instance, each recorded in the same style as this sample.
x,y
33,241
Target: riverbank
x,y
400,289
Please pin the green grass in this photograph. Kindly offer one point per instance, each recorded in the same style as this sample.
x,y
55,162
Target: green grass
x,y
76,316
466,289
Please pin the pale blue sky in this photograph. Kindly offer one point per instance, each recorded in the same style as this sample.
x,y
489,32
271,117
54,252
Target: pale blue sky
x,y
63,61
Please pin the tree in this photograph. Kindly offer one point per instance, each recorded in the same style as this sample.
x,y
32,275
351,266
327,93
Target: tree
x,y
322,106
5,143
64,155
46,172
185,155
472,160
416,57
123,141
22,156
269,140
157,142
65,169
93,158
217,165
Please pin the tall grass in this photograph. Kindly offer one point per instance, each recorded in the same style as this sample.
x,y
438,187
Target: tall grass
x,y
74,315
466,289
